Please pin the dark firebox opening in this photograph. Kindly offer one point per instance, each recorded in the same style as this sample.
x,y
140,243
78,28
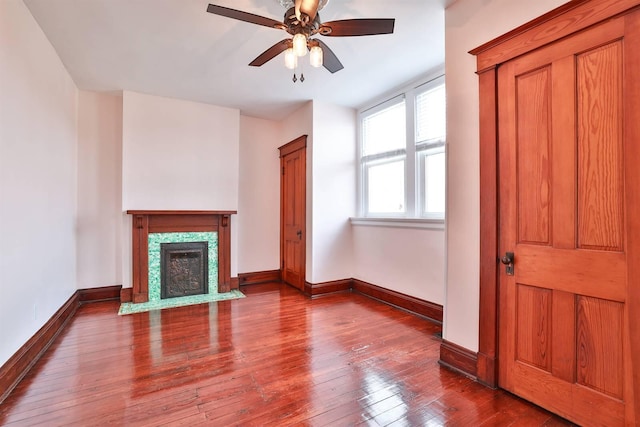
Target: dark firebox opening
x,y
184,269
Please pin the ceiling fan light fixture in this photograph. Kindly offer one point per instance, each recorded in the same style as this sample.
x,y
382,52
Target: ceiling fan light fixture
x,y
316,56
300,44
290,59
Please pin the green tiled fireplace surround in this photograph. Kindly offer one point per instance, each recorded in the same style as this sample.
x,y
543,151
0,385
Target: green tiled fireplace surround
x,y
155,239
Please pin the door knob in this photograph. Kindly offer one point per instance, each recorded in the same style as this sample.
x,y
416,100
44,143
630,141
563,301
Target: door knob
x,y
299,233
507,258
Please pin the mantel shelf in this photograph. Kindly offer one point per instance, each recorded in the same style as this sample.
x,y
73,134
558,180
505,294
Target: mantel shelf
x,y
177,212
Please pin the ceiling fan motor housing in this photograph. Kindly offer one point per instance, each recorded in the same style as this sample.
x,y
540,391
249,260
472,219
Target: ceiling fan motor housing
x,y
295,26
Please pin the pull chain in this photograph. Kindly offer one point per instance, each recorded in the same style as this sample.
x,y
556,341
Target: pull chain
x,y
295,78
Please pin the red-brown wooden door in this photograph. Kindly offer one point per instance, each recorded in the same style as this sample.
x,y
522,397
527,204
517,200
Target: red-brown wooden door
x,y
293,211
564,111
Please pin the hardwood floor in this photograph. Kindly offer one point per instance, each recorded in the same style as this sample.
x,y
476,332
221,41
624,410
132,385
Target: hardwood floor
x,y
273,358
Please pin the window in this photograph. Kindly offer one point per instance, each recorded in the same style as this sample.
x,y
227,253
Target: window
x,y
402,157
384,158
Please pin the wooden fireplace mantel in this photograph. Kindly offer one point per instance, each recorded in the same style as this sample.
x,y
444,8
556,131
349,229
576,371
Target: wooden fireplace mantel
x,y
165,221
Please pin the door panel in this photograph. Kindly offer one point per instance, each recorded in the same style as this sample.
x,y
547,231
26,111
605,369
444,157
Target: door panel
x,y
533,331
534,174
599,345
562,334
600,166
587,272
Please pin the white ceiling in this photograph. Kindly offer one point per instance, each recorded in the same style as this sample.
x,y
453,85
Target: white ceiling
x,y
174,48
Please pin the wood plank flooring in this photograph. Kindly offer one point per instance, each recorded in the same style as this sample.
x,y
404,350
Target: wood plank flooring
x,y
275,358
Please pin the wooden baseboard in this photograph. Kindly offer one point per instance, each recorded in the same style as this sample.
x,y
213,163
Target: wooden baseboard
x,y
315,289
139,297
234,283
126,294
406,302
415,305
106,293
486,370
458,358
258,277
12,372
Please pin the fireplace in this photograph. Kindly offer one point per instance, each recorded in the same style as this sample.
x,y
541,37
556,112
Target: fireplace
x,y
184,269
153,229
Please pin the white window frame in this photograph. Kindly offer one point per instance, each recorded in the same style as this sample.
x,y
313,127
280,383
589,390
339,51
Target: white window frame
x,y
413,154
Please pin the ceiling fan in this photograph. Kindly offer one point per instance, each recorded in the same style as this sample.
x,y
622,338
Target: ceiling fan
x,y
302,21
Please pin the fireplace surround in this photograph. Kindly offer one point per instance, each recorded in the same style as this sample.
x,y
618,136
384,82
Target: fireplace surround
x,y
145,222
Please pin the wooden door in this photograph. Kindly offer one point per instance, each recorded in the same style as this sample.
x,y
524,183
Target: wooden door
x,y
293,212
564,323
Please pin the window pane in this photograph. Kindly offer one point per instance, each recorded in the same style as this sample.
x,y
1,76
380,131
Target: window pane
x,y
431,115
384,130
434,184
386,187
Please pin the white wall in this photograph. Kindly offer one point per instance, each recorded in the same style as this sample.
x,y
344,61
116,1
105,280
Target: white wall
x,y
179,154
37,179
259,195
410,261
99,225
299,123
333,164
468,24
330,189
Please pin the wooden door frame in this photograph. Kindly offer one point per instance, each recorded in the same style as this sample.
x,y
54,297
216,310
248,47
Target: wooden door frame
x,y
541,31
300,143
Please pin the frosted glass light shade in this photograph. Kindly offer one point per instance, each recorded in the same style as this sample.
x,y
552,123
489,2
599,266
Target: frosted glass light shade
x,y
290,59
300,44
316,56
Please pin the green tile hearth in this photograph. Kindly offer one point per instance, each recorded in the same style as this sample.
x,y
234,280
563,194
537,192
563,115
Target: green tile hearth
x,y
130,308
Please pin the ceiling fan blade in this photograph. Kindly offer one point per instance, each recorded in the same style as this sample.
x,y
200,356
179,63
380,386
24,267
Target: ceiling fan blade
x,y
271,53
330,60
357,27
244,16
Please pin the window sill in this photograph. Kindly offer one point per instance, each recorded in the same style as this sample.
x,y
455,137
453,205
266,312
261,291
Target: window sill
x,y
420,223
